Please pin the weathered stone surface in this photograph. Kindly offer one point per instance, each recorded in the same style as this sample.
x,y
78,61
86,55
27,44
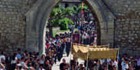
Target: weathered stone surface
x,y
12,23
127,35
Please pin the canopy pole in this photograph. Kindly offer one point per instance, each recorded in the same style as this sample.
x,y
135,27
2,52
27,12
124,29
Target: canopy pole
x,y
107,64
71,41
118,59
87,58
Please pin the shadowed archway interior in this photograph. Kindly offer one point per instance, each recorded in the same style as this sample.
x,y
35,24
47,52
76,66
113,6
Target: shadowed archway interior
x,y
40,12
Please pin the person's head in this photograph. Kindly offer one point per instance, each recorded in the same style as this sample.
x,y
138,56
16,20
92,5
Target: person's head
x,y
22,58
81,65
122,59
43,56
37,54
64,61
139,57
18,50
1,53
41,66
126,60
47,62
29,64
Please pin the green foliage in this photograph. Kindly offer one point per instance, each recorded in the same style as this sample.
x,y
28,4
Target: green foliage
x,y
64,26
64,23
69,11
66,20
55,16
79,8
58,17
54,22
55,12
62,12
61,16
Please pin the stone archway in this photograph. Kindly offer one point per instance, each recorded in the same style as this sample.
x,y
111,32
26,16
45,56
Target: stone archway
x,y
39,14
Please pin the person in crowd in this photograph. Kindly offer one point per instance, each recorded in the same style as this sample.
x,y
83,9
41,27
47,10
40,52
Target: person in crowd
x,y
68,46
81,67
124,64
2,66
47,65
2,56
63,65
138,64
115,64
18,54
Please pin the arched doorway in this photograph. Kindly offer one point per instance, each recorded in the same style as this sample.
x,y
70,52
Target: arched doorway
x,y
39,14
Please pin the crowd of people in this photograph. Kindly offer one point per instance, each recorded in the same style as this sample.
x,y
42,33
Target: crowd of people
x,y
86,34
123,63
58,45
61,44
86,25
20,60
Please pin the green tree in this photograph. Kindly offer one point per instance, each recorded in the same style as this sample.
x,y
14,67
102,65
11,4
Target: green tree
x,y
85,7
64,23
62,16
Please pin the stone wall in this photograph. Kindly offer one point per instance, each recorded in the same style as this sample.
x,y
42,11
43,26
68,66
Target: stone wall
x,y
127,33
122,7
127,24
12,23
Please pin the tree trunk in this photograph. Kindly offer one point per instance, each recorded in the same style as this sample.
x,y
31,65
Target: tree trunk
x,y
50,30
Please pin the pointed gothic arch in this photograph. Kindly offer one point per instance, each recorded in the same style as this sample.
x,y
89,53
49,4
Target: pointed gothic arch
x,y
36,23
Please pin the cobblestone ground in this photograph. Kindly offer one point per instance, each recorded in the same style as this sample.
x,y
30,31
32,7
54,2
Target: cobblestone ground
x,y
56,66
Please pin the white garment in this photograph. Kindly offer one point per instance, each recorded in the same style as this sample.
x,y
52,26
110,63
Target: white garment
x,y
108,60
23,64
102,61
13,61
124,65
68,40
2,57
138,62
85,35
2,69
54,41
50,42
41,69
41,61
115,63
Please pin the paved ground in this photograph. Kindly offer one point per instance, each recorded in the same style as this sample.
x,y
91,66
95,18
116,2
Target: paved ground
x,y
56,66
